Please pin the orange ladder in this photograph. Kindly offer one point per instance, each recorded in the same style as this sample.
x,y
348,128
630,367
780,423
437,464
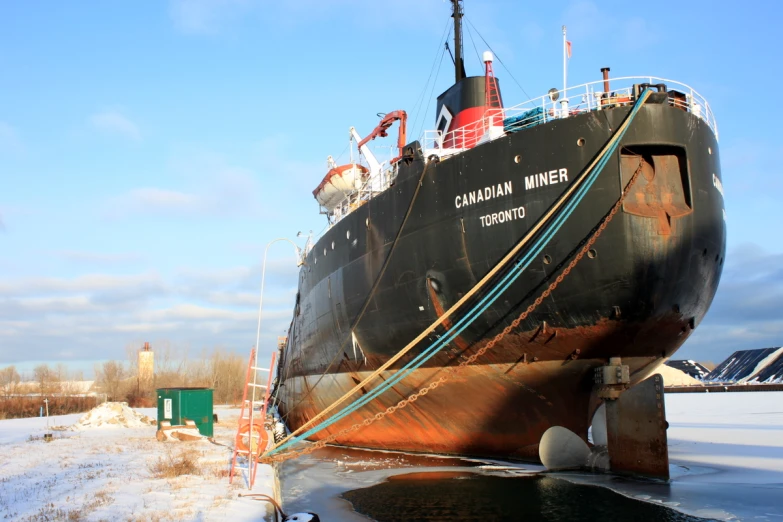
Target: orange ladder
x,y
251,438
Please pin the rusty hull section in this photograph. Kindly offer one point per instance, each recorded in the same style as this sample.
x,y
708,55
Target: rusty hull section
x,y
491,408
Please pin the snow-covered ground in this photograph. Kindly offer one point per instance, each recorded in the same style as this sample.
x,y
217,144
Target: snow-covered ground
x,y
103,471
726,452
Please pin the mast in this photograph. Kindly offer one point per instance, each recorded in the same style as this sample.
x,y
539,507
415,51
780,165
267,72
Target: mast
x,y
459,63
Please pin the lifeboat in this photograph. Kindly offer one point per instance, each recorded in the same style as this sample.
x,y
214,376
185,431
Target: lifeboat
x,y
339,182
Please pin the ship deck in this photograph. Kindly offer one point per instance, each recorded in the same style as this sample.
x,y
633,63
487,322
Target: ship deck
x,y
556,105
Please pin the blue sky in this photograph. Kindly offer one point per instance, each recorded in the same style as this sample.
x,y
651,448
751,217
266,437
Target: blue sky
x,y
149,150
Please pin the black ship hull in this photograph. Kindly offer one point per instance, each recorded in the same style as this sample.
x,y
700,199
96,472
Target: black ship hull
x,y
638,295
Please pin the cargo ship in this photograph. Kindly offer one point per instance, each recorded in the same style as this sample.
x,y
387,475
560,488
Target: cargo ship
x,y
409,237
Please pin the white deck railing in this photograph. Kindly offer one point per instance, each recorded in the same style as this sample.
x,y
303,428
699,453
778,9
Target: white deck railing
x,y
495,124
573,101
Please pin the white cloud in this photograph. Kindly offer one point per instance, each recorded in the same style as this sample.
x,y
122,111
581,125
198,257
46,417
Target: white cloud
x,y
746,311
96,315
228,192
160,200
205,16
83,283
192,311
16,309
114,122
145,328
97,258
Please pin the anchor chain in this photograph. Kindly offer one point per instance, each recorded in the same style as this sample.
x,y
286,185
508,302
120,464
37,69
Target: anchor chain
x,y
452,371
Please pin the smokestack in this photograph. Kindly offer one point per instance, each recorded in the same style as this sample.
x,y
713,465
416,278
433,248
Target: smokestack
x,y
146,367
605,70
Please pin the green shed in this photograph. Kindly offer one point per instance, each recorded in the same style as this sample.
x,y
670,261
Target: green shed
x,y
178,404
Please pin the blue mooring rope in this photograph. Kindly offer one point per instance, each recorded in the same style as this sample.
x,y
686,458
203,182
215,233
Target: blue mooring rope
x,y
491,296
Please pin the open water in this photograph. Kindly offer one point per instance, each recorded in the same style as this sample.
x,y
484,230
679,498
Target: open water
x,y
464,496
349,485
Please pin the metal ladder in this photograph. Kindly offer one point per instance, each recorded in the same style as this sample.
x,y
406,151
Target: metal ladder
x,y
251,423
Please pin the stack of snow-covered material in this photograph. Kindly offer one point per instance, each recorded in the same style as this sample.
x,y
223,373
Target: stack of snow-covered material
x,y
771,369
112,414
692,368
764,365
674,377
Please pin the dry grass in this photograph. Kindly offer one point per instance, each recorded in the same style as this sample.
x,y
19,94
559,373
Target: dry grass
x,y
99,499
215,469
49,511
22,407
173,465
155,516
35,438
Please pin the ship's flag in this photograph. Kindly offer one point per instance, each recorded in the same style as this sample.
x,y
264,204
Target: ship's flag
x,y
568,49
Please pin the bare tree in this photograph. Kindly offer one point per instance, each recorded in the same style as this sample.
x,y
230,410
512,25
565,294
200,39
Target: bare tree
x,y
61,372
219,369
172,367
199,370
45,379
170,359
227,376
9,380
132,354
110,377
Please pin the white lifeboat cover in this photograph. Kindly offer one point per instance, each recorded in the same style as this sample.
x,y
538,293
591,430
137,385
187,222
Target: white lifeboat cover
x,y
338,183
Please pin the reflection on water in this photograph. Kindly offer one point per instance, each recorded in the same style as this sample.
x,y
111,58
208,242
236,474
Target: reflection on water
x,y
460,496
